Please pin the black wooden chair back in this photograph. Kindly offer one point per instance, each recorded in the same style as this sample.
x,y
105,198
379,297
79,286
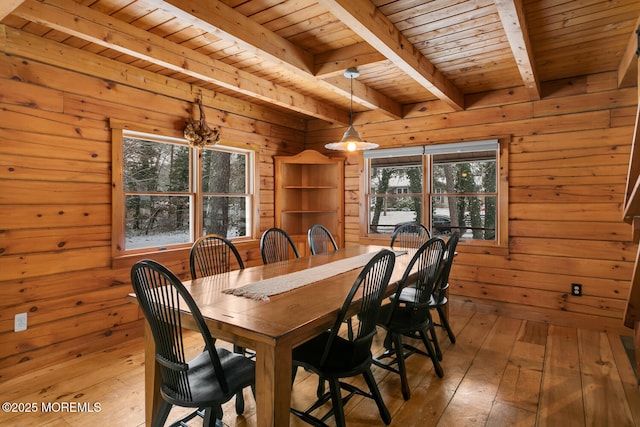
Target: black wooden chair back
x,y
276,245
447,262
320,240
409,235
213,254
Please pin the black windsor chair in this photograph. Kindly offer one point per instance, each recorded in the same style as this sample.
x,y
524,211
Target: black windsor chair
x,y
320,240
204,382
440,299
334,357
213,254
409,235
409,316
276,245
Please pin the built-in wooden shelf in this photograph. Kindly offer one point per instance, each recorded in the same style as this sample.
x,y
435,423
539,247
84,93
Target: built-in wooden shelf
x,y
309,189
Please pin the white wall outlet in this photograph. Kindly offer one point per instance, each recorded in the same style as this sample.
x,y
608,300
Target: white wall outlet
x,y
20,322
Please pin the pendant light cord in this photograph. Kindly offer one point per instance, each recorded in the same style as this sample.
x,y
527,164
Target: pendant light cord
x,y
351,101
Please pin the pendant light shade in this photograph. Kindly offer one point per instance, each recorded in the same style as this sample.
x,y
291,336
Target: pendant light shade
x,y
351,140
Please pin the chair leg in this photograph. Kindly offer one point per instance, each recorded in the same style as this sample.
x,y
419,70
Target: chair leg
x,y
209,419
163,413
375,393
434,339
388,344
336,402
212,417
432,354
320,389
402,370
239,403
445,323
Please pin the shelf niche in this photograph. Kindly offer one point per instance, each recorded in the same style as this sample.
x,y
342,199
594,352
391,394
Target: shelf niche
x,y
309,189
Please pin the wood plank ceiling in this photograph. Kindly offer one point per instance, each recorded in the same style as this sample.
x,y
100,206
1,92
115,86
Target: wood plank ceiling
x,y
291,54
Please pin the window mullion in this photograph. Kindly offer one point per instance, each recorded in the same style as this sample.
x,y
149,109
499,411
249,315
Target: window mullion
x,y
426,190
196,195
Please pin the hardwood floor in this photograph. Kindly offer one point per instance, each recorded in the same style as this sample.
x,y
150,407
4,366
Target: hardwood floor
x,y
501,371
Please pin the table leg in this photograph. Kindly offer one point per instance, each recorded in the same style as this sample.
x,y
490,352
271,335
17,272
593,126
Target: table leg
x,y
273,385
152,377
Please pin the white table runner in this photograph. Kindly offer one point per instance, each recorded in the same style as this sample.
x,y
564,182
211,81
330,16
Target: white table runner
x,y
276,285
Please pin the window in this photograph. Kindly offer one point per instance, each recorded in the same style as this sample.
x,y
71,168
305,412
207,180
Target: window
x,y
172,193
449,187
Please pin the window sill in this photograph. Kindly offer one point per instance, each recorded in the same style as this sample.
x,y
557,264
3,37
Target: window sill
x,y
162,256
471,247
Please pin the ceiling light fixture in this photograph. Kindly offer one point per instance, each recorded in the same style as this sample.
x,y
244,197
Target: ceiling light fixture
x,y
351,140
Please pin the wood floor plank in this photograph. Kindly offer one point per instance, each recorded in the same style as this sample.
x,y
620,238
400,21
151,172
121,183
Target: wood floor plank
x,y
431,397
471,404
561,401
503,414
520,385
627,375
494,375
604,398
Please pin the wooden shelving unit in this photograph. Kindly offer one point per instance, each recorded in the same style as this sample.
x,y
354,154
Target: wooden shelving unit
x,y
309,189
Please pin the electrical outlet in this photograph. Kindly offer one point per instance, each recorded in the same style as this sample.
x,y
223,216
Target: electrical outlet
x,y
20,322
576,289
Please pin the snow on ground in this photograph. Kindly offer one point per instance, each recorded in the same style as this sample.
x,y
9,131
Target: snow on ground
x,y
389,218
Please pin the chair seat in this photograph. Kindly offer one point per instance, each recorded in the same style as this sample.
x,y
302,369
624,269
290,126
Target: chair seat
x,y
204,385
407,294
405,319
434,303
343,361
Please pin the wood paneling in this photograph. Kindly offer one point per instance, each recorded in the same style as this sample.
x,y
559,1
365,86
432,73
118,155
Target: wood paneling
x,y
567,172
55,203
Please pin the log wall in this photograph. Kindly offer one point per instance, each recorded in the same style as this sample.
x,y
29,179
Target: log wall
x,y
568,160
55,198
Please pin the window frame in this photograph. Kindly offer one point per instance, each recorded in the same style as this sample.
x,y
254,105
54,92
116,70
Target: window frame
x,y
501,242
119,131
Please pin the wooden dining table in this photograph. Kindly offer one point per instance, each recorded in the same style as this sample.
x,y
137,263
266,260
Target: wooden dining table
x,y
272,328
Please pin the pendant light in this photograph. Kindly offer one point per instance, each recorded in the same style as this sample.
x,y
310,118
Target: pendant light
x,y
351,140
